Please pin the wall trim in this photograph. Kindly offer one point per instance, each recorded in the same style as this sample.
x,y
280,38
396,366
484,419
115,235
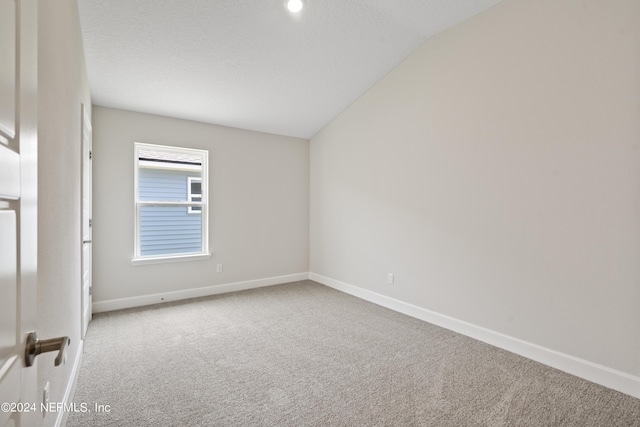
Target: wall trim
x,y
141,300
70,390
599,374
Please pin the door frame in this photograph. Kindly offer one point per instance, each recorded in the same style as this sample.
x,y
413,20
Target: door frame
x,y
86,213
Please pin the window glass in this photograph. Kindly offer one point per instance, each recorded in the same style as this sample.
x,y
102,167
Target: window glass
x,y
170,201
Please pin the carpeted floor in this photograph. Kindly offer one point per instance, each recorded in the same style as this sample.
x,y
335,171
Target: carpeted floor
x,y
302,354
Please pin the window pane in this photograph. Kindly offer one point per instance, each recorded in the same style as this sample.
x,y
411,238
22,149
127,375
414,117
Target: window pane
x,y
168,230
196,187
164,185
170,176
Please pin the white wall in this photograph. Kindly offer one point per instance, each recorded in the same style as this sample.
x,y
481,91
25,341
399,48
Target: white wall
x,y
496,173
63,87
259,205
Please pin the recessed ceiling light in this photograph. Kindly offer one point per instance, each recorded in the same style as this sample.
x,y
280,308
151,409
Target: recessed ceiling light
x,y
294,6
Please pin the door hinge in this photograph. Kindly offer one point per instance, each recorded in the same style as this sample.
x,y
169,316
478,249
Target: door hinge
x,y
90,222
90,290
90,155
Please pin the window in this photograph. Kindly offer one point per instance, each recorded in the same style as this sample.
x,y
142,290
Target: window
x,y
171,218
194,186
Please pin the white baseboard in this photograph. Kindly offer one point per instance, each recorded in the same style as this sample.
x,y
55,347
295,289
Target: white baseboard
x,y
137,301
69,391
599,374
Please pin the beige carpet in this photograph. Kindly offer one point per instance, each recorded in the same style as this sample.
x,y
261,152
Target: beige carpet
x,y
302,354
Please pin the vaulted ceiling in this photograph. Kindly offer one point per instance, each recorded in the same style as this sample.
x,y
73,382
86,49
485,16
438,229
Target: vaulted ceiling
x,y
252,64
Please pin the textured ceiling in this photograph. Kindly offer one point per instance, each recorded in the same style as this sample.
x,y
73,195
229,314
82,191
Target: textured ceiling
x,y
252,64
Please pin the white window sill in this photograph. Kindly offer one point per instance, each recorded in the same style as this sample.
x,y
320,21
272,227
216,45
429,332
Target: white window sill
x,y
171,258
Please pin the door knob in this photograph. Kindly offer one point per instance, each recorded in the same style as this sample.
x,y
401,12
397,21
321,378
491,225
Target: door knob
x,y
35,347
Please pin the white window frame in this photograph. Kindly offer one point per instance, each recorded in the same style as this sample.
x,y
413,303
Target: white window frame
x,y
203,204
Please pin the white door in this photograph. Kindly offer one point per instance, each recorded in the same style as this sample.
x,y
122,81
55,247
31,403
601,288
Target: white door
x,y
18,209
86,220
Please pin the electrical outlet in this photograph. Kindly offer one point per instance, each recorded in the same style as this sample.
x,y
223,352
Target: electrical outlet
x,y
390,278
219,268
